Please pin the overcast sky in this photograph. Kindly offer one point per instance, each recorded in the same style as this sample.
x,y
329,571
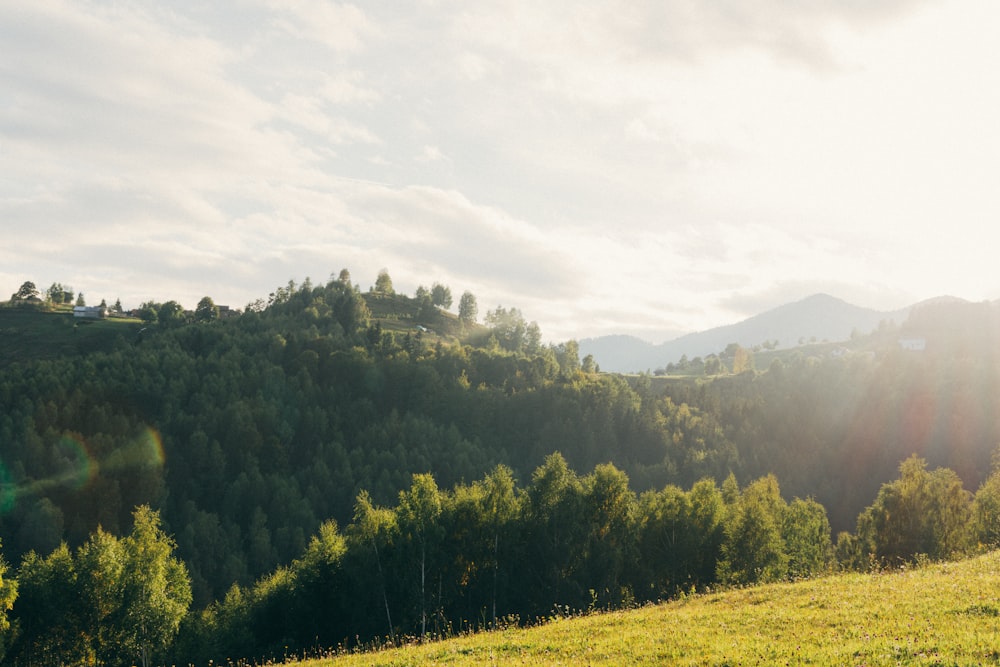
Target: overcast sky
x,y
622,166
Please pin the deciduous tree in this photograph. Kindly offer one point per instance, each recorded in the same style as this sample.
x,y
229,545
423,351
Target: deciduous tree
x,y
468,310
383,284
206,310
441,296
25,292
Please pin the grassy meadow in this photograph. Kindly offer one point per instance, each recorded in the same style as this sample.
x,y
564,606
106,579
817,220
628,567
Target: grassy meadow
x,y
29,334
942,614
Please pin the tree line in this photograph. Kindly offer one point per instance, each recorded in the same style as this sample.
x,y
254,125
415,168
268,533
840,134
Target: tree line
x,y
474,557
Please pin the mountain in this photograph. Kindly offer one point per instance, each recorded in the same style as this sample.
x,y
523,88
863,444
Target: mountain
x,y
819,317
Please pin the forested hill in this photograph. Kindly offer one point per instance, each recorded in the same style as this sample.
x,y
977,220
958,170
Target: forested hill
x,y
247,433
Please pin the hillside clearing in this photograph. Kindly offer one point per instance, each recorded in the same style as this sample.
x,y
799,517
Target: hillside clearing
x,y
937,615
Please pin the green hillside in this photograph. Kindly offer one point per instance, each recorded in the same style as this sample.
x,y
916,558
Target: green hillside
x,y
946,614
331,467
30,335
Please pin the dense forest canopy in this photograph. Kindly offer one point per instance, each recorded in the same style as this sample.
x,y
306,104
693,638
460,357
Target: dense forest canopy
x,y
287,449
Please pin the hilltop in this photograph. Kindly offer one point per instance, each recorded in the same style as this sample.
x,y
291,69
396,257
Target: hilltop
x,y
933,615
817,318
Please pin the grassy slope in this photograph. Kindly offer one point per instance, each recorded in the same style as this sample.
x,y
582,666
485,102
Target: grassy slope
x,y
938,615
27,334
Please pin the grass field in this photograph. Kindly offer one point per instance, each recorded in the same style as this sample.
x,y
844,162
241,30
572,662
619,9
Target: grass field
x,y
29,334
945,614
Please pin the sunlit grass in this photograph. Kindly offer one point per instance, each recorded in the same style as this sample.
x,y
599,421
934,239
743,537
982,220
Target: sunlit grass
x,y
947,614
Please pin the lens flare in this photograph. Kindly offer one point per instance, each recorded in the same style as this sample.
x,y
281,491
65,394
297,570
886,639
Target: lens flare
x,y
76,467
145,451
80,467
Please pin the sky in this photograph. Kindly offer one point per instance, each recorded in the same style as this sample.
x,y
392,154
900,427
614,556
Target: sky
x,y
617,167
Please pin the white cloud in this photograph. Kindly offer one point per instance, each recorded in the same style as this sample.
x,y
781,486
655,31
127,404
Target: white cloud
x,y
341,27
649,166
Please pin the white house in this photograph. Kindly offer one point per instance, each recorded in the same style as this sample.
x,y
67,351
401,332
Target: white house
x,y
913,344
90,312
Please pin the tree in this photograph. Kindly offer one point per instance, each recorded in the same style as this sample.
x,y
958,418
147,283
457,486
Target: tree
x,y
568,354
418,513
344,278
920,513
117,308
609,508
383,284
754,549
55,294
532,338
149,311
374,526
508,327
170,314
554,534
49,610
8,594
806,532
500,507
25,292
986,511
441,296
80,301
713,365
99,567
468,310
742,360
206,310
156,590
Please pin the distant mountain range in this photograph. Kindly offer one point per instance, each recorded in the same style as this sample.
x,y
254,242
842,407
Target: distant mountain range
x,y
820,317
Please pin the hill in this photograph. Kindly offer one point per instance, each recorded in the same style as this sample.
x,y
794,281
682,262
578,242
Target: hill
x,y
934,615
27,334
820,317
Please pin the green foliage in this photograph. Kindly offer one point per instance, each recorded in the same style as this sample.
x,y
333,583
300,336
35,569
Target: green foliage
x,y
249,433
170,314
206,310
468,309
383,284
986,511
156,590
114,601
920,513
49,620
805,530
8,595
753,550
25,292
441,296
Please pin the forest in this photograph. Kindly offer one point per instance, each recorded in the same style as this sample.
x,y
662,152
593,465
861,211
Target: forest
x,y
333,467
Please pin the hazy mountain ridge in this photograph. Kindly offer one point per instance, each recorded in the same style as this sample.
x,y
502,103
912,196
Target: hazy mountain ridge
x,y
820,317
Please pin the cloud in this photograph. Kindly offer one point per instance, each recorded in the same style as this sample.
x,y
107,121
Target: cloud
x,y
640,166
341,27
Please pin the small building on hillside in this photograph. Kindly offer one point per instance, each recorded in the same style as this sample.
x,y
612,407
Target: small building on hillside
x,y
913,344
90,312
